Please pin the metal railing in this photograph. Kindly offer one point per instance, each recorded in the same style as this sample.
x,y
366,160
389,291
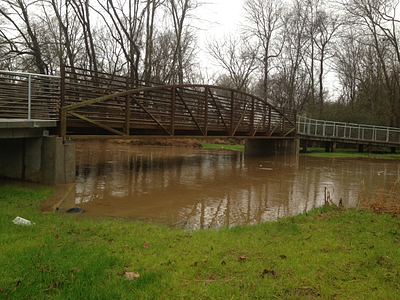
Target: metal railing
x,y
29,96
352,131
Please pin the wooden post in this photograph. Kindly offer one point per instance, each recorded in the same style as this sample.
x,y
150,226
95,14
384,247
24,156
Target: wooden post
x,y
252,117
63,117
206,111
284,122
232,111
127,109
62,131
172,121
269,120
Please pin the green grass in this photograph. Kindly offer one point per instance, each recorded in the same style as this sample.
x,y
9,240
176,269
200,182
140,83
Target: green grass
x,y
318,152
350,153
329,253
219,146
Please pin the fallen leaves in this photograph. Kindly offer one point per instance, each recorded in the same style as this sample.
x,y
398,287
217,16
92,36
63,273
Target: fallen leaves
x,y
131,275
145,245
75,269
195,263
324,215
242,258
273,273
383,201
52,287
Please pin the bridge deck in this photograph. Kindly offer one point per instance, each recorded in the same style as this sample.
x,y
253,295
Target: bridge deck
x,y
21,128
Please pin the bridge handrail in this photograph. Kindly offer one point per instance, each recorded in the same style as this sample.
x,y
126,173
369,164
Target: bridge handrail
x,y
29,74
39,95
344,130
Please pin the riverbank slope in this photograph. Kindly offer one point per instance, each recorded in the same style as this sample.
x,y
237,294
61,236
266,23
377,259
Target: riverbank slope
x,y
328,253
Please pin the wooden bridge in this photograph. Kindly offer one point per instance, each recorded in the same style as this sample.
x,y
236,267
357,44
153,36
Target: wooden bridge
x,y
109,106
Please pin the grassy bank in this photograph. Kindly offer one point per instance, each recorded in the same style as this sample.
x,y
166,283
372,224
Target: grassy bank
x,y
320,152
222,146
351,153
329,253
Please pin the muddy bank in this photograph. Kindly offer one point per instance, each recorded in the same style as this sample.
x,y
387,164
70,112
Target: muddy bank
x,y
195,143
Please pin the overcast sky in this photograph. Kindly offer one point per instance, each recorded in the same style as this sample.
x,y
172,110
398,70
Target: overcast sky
x,y
217,18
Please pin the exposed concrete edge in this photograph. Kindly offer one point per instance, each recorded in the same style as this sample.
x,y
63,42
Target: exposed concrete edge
x,y
25,123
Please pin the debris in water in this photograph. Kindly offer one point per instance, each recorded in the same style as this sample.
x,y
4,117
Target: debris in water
x,y
76,210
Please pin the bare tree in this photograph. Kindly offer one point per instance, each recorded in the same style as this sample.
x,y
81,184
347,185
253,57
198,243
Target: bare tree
x,y
326,25
238,59
125,22
151,9
348,64
378,19
62,35
82,11
25,40
180,12
292,84
264,21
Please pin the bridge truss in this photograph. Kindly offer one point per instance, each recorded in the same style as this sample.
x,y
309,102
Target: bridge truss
x,y
113,106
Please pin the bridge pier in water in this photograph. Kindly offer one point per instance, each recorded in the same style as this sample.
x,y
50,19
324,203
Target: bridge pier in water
x,y
27,153
330,147
271,147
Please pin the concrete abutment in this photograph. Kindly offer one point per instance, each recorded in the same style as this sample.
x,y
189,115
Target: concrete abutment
x,y
47,160
271,147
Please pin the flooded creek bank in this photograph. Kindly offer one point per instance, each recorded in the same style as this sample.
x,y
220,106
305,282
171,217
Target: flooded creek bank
x,y
204,188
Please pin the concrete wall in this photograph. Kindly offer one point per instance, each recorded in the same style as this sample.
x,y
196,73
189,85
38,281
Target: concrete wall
x,y
45,160
271,147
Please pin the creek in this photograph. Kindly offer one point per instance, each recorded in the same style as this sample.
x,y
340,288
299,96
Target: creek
x,y
201,188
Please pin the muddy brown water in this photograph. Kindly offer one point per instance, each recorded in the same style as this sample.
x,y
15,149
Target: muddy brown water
x,y
201,188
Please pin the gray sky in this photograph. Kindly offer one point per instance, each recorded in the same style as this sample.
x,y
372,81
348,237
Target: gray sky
x,y
219,18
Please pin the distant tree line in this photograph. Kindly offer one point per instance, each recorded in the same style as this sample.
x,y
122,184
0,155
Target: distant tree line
x,y
337,60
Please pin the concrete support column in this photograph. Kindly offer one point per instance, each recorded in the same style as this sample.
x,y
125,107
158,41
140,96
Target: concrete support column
x,y
330,146
70,162
38,159
11,158
304,146
271,147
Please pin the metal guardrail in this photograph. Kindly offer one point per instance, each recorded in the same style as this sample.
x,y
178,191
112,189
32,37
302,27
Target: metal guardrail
x,y
352,131
29,96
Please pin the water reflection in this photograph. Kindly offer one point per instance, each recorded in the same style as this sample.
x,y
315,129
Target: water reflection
x,y
202,188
